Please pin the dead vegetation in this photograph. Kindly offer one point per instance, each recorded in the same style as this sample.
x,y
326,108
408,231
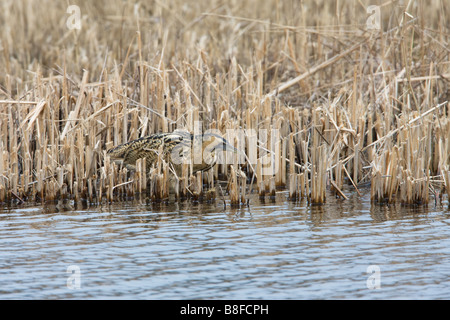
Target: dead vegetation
x,y
349,103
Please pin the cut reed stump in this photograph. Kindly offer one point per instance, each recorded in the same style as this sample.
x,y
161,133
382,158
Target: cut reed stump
x,y
237,187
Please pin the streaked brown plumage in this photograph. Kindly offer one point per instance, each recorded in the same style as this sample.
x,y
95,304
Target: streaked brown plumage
x,y
176,148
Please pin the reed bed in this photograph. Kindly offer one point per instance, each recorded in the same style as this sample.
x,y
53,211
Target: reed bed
x,y
321,100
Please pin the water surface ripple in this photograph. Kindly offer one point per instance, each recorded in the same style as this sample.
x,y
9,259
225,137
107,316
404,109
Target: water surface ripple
x,y
268,250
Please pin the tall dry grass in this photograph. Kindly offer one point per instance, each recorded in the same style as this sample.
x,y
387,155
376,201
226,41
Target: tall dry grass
x,y
351,104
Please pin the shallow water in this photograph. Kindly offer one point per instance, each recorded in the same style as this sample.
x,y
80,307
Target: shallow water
x,y
280,250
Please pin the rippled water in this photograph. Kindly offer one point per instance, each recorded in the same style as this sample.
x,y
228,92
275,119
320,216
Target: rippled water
x,y
280,250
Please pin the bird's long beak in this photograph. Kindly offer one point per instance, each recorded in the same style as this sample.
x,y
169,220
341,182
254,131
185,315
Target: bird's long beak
x,y
229,147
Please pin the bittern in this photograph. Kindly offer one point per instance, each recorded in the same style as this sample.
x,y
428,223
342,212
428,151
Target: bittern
x,y
176,148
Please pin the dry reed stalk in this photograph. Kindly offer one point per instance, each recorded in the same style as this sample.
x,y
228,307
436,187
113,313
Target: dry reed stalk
x,y
210,194
293,177
293,187
259,179
237,186
183,182
319,162
197,186
138,177
446,177
243,187
385,176
56,121
233,188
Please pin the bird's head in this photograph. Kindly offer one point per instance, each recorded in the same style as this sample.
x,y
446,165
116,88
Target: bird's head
x,y
215,146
